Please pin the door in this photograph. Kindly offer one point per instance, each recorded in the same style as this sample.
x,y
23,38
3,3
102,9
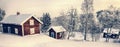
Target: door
x,y
5,29
52,34
16,31
9,30
32,30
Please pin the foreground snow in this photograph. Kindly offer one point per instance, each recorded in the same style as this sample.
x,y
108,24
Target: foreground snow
x,y
67,43
8,40
42,40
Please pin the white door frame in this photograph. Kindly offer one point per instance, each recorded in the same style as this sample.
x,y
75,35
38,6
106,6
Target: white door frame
x,y
32,30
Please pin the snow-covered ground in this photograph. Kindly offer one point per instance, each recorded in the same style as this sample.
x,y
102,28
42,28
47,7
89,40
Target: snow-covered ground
x,y
8,40
42,40
67,43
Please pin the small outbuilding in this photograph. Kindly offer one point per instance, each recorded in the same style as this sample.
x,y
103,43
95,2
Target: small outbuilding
x,y
111,33
57,32
21,24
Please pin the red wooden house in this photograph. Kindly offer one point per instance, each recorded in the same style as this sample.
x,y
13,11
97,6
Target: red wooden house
x,y
21,24
57,32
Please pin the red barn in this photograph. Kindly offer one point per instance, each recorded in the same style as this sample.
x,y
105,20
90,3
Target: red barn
x,y
22,24
57,32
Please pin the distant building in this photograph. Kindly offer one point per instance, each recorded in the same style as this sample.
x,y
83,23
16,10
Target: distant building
x,y
57,32
111,33
21,24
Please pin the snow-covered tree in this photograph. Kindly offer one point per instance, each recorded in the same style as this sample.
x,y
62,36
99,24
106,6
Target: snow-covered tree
x,y
46,22
69,20
87,9
2,14
73,22
107,18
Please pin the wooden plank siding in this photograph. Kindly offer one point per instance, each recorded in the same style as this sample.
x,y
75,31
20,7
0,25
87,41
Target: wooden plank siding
x,y
27,26
12,29
50,31
57,35
60,36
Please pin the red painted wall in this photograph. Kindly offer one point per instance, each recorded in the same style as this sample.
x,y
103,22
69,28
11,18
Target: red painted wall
x,y
27,26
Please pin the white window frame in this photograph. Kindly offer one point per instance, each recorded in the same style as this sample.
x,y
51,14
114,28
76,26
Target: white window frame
x,y
31,22
60,34
16,31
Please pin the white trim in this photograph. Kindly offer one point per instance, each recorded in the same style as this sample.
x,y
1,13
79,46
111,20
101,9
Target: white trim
x,y
56,35
22,30
38,20
22,22
25,20
40,29
32,22
29,18
32,30
2,28
16,31
57,29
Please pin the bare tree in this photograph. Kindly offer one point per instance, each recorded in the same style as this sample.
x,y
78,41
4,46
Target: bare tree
x,y
72,26
87,8
2,15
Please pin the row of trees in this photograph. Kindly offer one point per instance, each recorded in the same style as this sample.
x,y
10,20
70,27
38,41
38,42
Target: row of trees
x,y
71,21
85,22
109,18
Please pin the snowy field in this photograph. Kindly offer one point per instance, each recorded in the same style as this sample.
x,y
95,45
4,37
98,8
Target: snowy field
x,y
42,40
67,43
8,40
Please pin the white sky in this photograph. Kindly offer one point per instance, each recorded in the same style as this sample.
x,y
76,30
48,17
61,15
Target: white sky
x,y
54,7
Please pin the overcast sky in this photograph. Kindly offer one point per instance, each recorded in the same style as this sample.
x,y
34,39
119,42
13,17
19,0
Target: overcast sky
x,y
54,7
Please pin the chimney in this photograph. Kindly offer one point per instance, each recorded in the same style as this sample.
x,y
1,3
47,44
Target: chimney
x,y
18,13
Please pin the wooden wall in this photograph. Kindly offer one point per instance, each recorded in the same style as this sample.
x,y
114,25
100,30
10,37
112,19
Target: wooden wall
x,y
12,28
27,26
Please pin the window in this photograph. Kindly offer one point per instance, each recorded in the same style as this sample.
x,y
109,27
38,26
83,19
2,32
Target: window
x,y
31,22
32,30
60,35
16,31
9,30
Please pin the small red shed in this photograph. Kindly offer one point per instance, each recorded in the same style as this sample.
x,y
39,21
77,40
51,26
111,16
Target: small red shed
x,y
57,32
22,24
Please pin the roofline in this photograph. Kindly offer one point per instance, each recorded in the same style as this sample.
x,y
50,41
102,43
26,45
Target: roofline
x,y
30,17
9,23
38,20
51,27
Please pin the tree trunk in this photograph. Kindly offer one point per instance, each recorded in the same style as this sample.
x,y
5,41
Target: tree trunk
x,y
93,37
86,28
107,39
68,35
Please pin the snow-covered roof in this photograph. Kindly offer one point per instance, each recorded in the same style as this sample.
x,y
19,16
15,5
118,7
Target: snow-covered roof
x,y
58,28
18,19
114,31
